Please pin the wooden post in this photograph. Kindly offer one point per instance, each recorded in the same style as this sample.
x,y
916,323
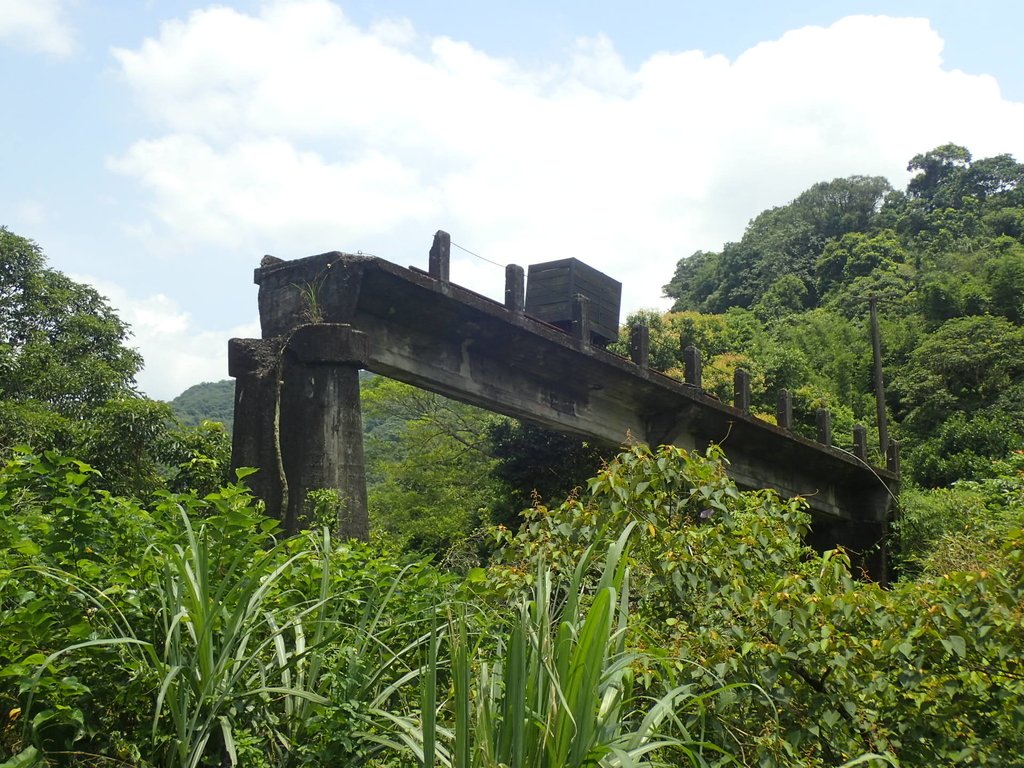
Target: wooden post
x,y
640,345
440,256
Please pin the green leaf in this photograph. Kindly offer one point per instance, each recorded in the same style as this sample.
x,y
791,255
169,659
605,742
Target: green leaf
x,y
26,547
27,758
956,644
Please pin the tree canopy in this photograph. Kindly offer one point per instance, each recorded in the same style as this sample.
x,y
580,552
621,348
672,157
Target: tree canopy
x,y
67,382
945,260
60,342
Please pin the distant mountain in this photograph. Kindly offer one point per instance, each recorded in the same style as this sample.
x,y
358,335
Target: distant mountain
x,y
212,401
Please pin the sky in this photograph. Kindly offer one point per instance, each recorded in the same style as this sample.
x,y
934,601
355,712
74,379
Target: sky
x,y
158,149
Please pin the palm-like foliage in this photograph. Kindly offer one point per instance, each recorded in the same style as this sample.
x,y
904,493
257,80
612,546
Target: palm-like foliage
x,y
223,651
559,693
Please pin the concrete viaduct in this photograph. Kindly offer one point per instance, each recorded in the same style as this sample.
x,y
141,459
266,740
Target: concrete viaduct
x,y
325,317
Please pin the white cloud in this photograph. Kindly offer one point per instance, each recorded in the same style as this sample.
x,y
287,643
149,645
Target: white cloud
x,y
295,131
217,196
40,25
176,352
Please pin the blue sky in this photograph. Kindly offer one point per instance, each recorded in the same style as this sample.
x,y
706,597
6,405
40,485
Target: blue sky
x,y
158,149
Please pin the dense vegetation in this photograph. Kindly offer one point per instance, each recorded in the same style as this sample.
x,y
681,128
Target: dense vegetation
x,y
151,615
662,616
945,259
67,383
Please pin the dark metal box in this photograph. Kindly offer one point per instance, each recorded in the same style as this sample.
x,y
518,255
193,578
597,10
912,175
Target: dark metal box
x,y
552,286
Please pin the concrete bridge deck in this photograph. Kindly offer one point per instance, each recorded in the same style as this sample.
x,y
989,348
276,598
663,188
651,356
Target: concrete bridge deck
x,y
325,317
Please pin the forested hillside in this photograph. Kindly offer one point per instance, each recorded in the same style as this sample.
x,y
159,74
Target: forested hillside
x,y
944,257
209,401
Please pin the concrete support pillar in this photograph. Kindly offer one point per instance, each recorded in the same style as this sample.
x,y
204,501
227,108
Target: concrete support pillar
x,y
860,442
784,409
440,256
581,319
824,422
692,366
892,458
254,364
640,345
741,390
322,430
515,288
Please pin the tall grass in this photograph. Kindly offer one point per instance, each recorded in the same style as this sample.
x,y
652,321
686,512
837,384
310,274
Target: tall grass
x,y
223,655
559,692
234,642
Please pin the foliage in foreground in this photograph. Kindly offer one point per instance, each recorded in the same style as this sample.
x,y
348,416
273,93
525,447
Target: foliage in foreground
x,y
186,634
560,690
928,672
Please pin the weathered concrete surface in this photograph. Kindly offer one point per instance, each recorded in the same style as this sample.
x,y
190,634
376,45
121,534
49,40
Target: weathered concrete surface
x,y
297,399
441,337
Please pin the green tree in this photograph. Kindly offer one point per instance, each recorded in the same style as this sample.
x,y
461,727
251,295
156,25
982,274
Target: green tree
x,y
428,468
957,398
534,464
60,342
783,241
694,280
1005,277
942,178
857,254
785,296
67,381
964,366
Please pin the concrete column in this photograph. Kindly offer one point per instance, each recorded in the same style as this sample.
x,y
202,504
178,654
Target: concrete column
x,y
321,424
440,256
692,366
860,442
892,459
784,409
254,365
741,390
581,319
515,288
824,422
640,345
